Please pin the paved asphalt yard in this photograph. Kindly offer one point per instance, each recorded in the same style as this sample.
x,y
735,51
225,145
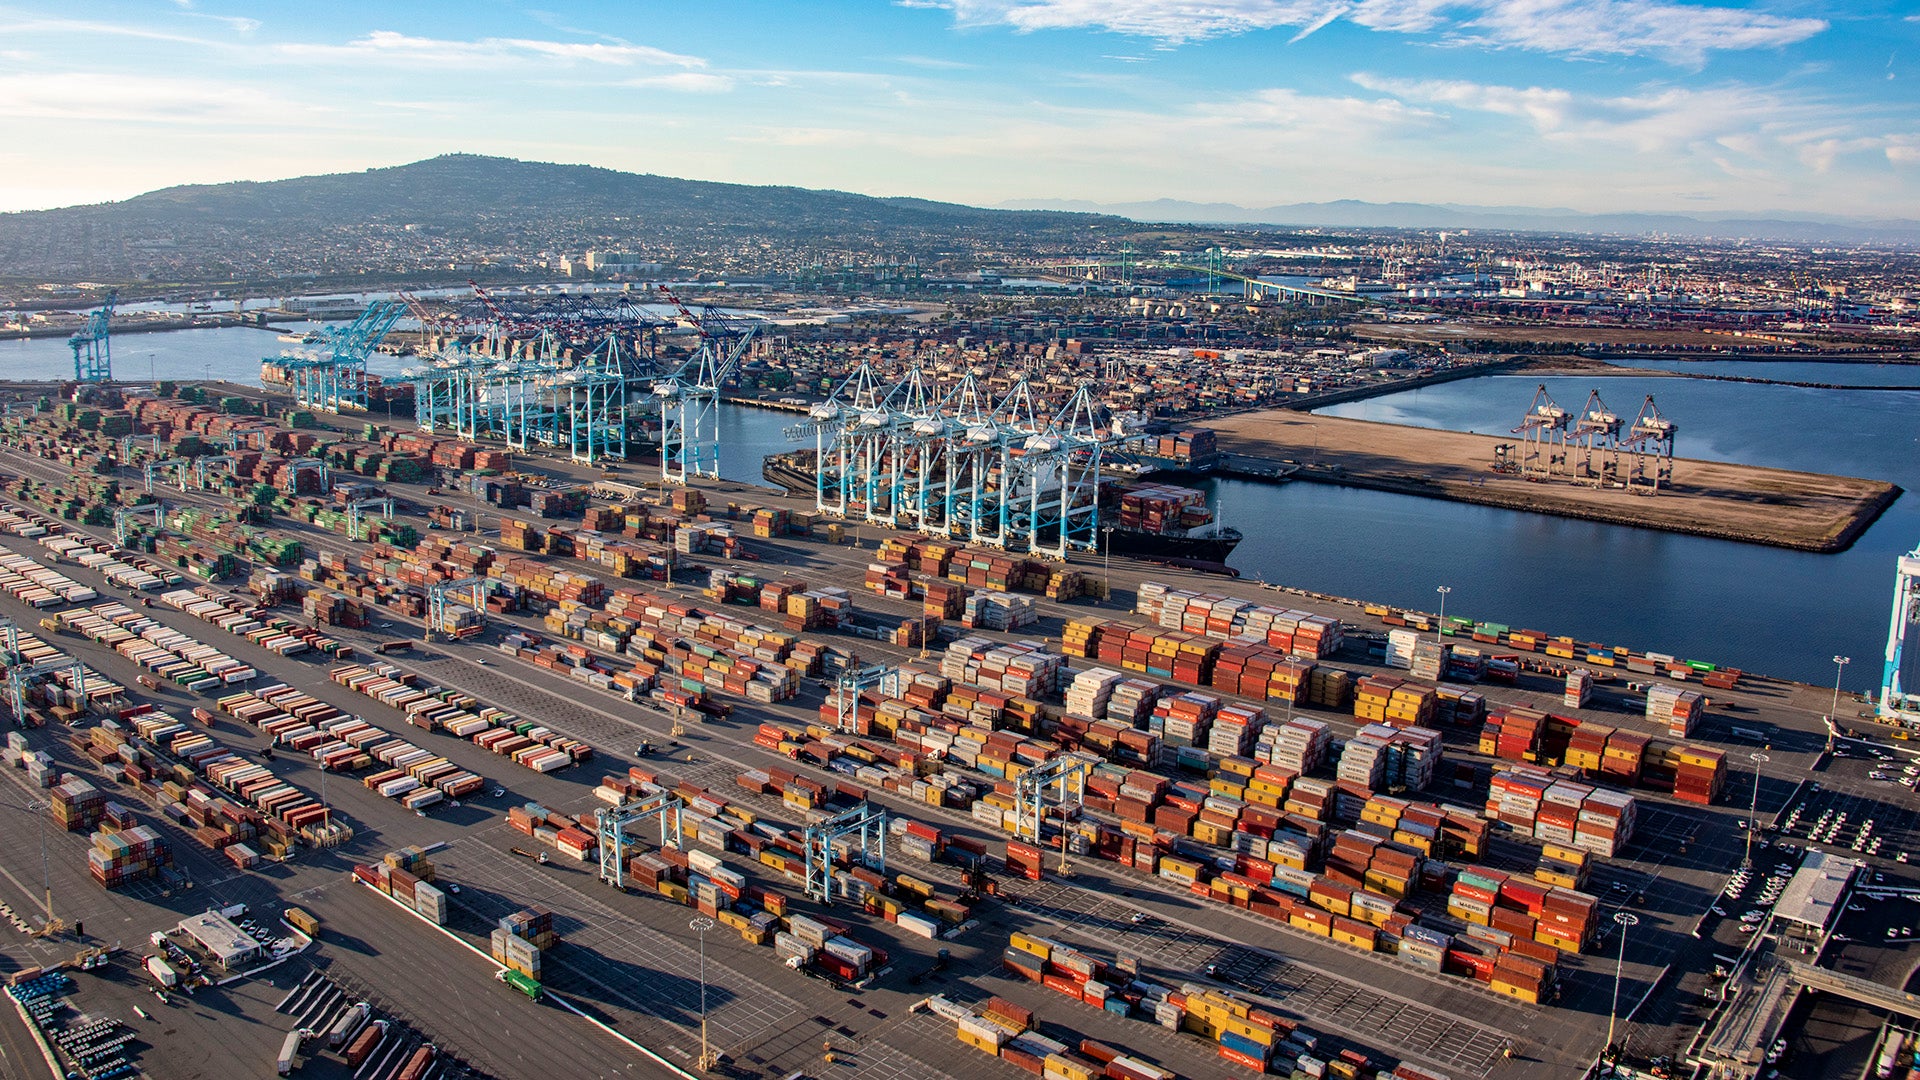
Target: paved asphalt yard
x,y
632,962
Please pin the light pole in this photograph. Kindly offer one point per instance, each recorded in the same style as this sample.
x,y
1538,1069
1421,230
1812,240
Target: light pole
x,y
700,925
1832,715
42,808
1440,629
1106,562
1626,920
1753,808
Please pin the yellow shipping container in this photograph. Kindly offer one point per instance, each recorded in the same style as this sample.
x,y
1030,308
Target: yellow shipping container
x,y
1421,844
1565,853
1555,878
1545,936
976,1041
1386,884
1184,869
1471,916
1259,1033
1208,833
1310,926
1523,993
1061,1068
1199,1025
1033,946
1229,788
1347,937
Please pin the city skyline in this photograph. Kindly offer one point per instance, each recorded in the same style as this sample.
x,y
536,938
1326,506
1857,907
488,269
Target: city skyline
x,y
1593,105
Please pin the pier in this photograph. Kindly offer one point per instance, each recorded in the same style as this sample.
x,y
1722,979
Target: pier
x,y
1776,507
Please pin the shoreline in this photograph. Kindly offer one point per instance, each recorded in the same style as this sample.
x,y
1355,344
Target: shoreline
x,y
1869,511
1800,511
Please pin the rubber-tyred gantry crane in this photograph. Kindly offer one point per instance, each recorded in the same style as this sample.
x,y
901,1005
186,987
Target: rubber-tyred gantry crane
x,y
611,825
866,821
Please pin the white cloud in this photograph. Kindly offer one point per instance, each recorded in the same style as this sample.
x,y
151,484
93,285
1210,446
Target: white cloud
x,y
1668,124
690,82
1683,32
934,63
239,24
388,46
1619,27
115,97
21,27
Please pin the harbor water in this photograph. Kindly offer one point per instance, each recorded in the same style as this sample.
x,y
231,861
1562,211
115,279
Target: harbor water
x,y
1766,610
1780,612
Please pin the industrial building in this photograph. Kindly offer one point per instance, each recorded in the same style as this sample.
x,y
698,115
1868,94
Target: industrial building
x,y
1812,901
228,945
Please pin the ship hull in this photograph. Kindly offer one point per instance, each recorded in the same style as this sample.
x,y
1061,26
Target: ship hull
x,y
1146,545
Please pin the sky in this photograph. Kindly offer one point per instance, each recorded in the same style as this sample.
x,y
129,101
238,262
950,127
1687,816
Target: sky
x,y
1692,106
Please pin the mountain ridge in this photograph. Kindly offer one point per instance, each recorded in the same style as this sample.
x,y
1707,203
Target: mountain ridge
x,y
478,208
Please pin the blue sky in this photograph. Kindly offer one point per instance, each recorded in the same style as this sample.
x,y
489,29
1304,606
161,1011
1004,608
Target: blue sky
x,y
1600,105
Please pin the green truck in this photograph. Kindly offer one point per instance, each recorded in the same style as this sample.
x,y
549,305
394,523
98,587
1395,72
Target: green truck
x,y
524,983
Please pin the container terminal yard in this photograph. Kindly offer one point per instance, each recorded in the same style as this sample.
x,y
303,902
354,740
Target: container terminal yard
x,y
559,770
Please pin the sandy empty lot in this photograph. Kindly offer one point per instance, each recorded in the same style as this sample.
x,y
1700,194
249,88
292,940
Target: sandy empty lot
x,y
1808,511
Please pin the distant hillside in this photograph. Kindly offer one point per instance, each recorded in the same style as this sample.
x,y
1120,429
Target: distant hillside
x,y
1353,213
464,208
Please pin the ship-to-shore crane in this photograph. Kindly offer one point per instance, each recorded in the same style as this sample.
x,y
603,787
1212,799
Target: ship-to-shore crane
x,y
92,345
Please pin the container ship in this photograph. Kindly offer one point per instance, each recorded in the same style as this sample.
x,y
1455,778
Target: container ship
x,y
1164,521
1148,521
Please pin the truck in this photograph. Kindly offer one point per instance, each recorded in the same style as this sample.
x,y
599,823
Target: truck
x,y
349,1024
147,681
526,984
289,1050
362,1047
303,922
418,1064
393,645
163,974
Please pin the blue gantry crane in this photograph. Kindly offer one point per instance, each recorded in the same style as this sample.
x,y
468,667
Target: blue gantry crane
x,y
1897,705
867,822
610,823
92,348
690,397
333,377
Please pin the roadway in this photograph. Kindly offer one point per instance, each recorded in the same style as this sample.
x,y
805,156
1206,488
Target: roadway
x,y
1675,876
558,702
